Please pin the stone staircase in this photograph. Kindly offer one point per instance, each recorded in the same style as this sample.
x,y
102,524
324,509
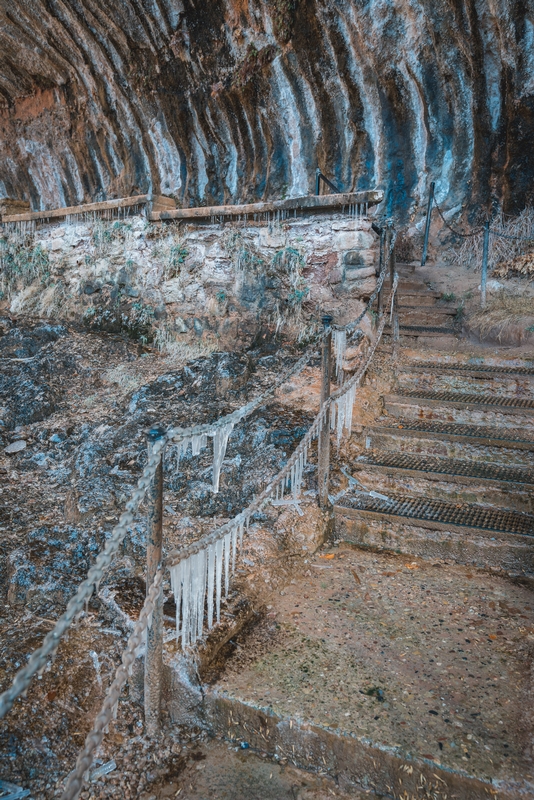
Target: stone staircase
x,y
392,664
452,456
423,313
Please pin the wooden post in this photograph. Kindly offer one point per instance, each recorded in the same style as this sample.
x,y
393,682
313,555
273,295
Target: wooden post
x,y
154,646
380,268
324,438
392,268
427,224
485,252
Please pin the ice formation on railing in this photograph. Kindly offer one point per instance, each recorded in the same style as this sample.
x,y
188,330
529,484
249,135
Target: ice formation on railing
x,y
198,441
197,582
341,412
340,348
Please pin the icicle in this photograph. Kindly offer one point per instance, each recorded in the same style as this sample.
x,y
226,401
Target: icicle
x,y
211,582
220,441
186,592
176,586
340,348
226,563
218,575
234,545
201,594
198,442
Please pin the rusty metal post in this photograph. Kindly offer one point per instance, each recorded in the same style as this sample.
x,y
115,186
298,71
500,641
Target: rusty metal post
x,y
392,269
154,645
485,253
324,438
427,223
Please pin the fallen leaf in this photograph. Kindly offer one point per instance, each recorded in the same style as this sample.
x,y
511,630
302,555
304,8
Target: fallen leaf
x,y
492,636
367,596
327,555
389,574
355,576
413,565
51,696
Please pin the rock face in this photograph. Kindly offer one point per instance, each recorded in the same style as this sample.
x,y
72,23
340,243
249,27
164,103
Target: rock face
x,y
230,101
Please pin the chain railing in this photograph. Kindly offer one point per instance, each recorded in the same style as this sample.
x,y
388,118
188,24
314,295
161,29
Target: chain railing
x,y
108,712
485,229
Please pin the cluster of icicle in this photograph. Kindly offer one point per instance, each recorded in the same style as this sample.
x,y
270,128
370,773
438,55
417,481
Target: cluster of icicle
x,y
197,437
339,336
220,431
196,578
341,412
197,583
358,210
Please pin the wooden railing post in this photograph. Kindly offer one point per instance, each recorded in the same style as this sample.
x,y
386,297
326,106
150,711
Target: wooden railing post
x,y
484,276
390,250
380,302
154,645
324,437
427,223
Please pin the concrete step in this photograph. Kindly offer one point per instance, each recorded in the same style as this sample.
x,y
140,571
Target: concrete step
x,y
464,408
455,480
438,528
385,674
452,441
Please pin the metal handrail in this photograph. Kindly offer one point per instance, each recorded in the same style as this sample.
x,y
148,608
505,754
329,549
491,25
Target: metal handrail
x,y
320,177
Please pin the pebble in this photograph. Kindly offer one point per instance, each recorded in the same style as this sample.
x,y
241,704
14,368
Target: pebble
x,y
15,447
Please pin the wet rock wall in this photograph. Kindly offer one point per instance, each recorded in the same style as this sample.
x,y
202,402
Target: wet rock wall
x,y
238,101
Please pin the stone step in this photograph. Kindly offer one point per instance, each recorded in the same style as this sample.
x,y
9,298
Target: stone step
x,y
498,385
426,298
452,441
468,408
419,309
470,370
425,330
437,528
455,480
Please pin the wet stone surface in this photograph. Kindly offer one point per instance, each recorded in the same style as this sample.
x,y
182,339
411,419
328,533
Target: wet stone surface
x,y
430,659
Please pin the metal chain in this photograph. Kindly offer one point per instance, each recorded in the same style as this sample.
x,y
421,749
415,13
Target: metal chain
x,y
511,237
210,538
94,738
457,233
39,657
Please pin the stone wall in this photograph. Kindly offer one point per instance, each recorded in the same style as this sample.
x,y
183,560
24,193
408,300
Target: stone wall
x,y
220,281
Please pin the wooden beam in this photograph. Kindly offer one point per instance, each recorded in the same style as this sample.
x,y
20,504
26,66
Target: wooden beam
x,y
55,213
310,202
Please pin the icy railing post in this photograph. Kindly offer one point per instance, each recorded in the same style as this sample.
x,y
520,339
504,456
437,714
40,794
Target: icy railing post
x,y
154,640
390,251
324,437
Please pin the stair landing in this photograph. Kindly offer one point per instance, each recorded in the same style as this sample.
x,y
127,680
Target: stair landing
x,y
390,671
